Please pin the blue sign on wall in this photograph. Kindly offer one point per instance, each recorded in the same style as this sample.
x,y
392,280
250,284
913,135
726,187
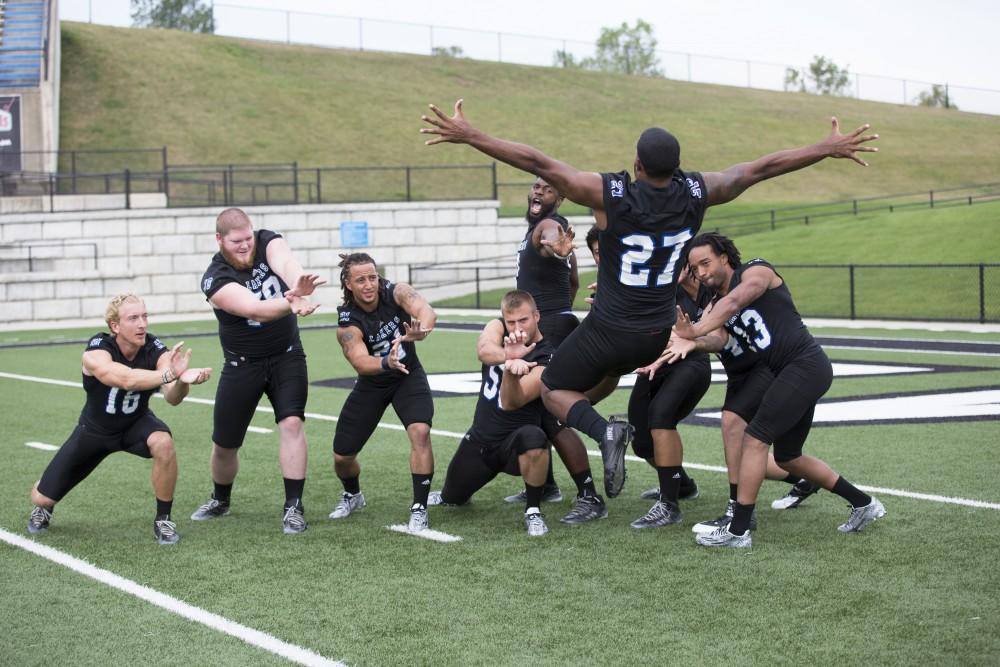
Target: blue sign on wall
x,y
354,234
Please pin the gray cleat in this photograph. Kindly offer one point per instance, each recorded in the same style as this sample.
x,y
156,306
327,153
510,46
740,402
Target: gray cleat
x,y
294,521
165,531
721,537
348,505
213,509
862,516
660,514
550,494
587,508
418,518
38,522
535,524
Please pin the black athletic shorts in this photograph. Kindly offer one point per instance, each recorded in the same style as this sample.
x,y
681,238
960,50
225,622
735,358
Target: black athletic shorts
x,y
410,398
86,448
670,397
595,351
745,391
283,377
557,327
786,412
475,464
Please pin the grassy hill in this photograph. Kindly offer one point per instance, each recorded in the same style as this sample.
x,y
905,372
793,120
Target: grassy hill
x,y
217,100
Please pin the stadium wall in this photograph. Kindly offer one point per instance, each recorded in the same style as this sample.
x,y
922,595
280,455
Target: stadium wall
x,y
80,259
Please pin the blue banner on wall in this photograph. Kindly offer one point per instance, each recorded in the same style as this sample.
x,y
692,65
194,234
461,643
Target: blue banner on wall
x,y
354,234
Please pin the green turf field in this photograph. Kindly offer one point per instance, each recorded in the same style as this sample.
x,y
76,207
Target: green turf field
x,y
919,586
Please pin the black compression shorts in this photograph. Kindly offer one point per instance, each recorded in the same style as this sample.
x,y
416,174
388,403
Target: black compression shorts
x,y
557,327
410,398
745,391
664,402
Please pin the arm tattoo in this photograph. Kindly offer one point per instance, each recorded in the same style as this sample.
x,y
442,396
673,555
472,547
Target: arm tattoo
x,y
404,294
345,338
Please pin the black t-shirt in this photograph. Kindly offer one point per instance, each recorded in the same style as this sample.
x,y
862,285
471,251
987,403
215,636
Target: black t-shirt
x,y
770,326
546,279
647,232
379,328
491,423
110,410
239,335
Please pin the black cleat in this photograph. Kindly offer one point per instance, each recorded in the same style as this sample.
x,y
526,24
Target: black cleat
x,y
660,514
38,522
213,509
798,493
617,438
587,508
688,490
165,531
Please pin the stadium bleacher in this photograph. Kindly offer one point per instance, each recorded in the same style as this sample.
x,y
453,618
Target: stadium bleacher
x,y
22,42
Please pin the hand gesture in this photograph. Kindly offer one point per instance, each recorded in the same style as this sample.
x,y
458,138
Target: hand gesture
x,y
563,245
520,366
300,304
683,326
454,130
593,288
515,345
414,331
179,360
195,375
849,145
650,370
305,285
677,349
394,361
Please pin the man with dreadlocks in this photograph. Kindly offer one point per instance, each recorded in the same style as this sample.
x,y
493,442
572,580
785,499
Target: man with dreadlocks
x,y
247,284
378,324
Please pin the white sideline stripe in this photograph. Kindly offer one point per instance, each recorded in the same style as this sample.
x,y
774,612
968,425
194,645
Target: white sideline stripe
x,y
913,351
41,445
426,533
967,502
250,636
258,429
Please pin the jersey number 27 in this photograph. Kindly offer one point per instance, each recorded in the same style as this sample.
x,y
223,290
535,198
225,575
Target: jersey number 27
x,y
636,273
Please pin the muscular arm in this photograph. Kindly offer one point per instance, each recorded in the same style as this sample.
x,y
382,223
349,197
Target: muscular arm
x,y
727,185
490,344
584,188
350,339
756,280
175,392
281,261
574,279
239,301
518,390
415,305
99,364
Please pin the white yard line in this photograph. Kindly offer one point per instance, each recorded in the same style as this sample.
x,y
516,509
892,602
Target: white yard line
x,y
426,533
42,446
262,640
967,502
258,429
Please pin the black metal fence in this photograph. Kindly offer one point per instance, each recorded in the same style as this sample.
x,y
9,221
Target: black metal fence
x,y
924,292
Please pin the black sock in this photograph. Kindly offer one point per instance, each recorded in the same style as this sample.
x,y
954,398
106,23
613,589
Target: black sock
x,y
741,519
670,483
685,480
421,488
584,483
550,480
792,479
584,418
352,485
222,492
533,496
293,491
732,492
851,493
163,508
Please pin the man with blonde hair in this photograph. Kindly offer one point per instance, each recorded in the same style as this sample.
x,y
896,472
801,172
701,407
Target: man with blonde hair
x,y
121,370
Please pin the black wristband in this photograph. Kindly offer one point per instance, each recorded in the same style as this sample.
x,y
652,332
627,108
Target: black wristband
x,y
385,362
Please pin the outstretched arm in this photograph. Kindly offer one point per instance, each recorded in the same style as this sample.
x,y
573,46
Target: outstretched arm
x,y
176,391
99,364
352,343
584,188
418,309
755,281
727,185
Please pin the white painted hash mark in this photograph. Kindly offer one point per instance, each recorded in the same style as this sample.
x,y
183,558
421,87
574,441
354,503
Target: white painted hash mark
x,y
426,533
259,429
41,445
250,636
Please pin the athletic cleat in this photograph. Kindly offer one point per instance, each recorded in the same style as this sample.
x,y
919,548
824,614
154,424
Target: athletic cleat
x,y
418,518
213,509
349,504
798,493
689,489
550,494
723,521
617,438
862,516
38,522
587,508
721,537
660,514
535,524
651,494
294,520
165,531
433,498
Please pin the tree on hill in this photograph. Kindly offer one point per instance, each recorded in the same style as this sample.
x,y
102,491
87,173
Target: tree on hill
x,y
625,49
823,77
937,96
449,51
189,15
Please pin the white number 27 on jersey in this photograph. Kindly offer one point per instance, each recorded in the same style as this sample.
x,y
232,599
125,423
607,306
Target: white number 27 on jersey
x,y
636,273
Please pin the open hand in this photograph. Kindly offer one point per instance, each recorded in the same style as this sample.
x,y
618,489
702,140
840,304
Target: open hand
x,y
515,345
195,375
849,145
454,129
414,331
394,361
306,285
563,245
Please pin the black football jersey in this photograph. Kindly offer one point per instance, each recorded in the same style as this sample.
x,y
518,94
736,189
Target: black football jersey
x,y
491,423
648,229
546,279
770,326
241,336
380,328
110,410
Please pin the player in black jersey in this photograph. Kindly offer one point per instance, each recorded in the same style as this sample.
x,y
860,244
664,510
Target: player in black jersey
x,y
645,226
756,308
121,370
378,325
546,269
506,433
257,289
